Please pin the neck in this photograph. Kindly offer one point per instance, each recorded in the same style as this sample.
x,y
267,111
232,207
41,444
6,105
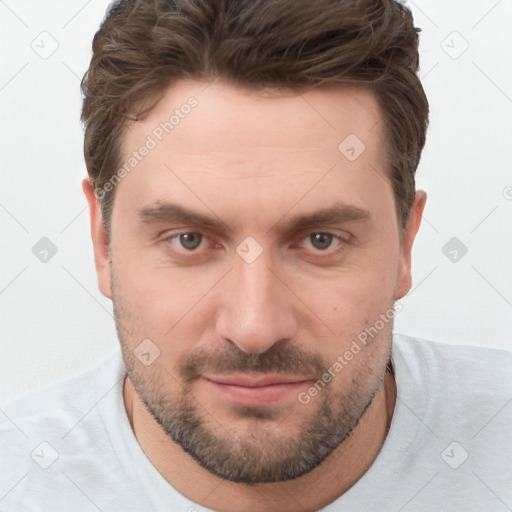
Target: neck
x,y
337,473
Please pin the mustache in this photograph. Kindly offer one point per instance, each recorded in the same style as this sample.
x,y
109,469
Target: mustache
x,y
280,358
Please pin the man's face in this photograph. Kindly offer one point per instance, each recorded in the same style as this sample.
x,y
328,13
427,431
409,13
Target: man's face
x,y
291,250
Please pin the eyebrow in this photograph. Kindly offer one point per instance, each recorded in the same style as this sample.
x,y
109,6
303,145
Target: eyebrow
x,y
340,212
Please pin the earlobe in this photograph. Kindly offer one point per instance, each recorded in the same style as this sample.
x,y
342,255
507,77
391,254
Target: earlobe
x,y
404,280
99,240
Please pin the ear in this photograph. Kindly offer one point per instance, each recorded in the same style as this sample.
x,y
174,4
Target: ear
x,y
404,281
99,240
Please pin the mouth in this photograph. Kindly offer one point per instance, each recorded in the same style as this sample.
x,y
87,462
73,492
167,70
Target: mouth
x,y
255,391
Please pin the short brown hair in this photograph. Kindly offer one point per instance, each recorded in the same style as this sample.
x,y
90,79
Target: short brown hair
x,y
144,46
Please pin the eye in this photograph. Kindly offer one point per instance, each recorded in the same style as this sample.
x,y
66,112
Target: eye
x,y
321,241
188,241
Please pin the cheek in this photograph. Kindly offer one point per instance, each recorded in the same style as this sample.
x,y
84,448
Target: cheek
x,y
167,305
354,294
142,298
351,301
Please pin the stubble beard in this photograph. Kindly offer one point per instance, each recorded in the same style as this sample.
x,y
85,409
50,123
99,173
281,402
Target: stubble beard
x,y
260,453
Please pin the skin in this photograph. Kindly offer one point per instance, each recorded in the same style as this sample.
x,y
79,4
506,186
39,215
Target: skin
x,y
254,161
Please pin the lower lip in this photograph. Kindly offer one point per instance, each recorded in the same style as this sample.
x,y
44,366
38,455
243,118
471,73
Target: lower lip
x,y
256,396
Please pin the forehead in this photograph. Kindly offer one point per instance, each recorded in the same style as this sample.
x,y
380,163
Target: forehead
x,y
214,141
269,117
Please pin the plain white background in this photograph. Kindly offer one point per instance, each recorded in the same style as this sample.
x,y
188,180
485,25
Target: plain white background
x,y
54,321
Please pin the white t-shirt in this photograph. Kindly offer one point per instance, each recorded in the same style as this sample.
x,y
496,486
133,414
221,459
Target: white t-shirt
x,y
71,448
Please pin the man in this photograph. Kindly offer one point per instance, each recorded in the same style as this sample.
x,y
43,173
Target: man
x,y
253,209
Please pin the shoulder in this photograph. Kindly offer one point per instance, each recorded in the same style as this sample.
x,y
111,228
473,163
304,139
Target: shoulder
x,y
64,443
66,396
458,386
484,365
50,414
454,411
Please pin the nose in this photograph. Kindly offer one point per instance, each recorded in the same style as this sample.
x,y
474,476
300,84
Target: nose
x,y
255,309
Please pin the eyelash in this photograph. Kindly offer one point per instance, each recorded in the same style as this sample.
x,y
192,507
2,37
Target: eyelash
x,y
196,254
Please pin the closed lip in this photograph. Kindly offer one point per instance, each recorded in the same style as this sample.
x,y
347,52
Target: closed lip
x,y
255,381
